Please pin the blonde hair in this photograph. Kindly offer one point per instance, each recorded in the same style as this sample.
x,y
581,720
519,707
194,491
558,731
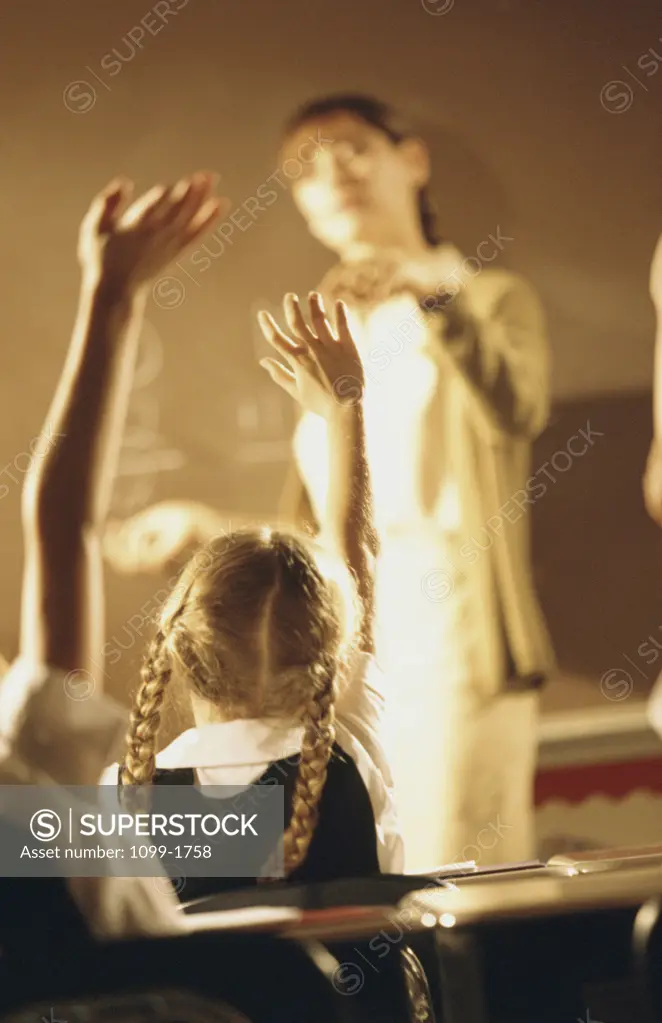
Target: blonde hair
x,y
254,627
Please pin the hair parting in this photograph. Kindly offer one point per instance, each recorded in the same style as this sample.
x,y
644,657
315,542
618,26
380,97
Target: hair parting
x,y
256,631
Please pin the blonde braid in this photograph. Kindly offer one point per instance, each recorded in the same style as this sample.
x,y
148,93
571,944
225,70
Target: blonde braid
x,y
318,738
140,759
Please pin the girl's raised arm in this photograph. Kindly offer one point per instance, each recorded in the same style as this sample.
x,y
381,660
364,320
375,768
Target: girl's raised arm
x,y
67,489
324,374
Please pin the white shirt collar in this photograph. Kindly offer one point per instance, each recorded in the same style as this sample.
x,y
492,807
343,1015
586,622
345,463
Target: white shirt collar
x,y
243,743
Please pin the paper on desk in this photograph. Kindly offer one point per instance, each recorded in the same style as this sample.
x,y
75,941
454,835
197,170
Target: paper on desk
x,y
250,917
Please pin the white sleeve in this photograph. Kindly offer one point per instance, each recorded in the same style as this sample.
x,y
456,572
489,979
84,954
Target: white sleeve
x,y
52,724
127,907
360,709
56,729
360,714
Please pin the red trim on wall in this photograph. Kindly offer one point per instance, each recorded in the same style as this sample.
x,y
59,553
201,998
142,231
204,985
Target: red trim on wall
x,y
616,780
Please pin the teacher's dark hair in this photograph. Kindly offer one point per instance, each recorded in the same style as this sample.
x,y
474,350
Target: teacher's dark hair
x,y
381,116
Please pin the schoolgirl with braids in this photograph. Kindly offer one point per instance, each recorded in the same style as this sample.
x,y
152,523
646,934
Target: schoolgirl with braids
x,y
278,669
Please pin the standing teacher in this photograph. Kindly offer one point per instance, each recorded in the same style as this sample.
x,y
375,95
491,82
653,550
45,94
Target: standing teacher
x,y
457,388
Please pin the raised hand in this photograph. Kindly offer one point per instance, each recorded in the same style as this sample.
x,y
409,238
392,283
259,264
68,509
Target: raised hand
x,y
324,370
161,537
129,246
150,541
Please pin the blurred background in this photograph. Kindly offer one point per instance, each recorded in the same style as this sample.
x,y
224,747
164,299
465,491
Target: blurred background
x,y
544,124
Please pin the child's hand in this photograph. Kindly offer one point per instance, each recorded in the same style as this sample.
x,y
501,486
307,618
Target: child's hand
x,y
325,371
129,248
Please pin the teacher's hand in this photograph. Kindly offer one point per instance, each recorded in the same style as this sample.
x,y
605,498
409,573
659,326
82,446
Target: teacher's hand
x,y
162,537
